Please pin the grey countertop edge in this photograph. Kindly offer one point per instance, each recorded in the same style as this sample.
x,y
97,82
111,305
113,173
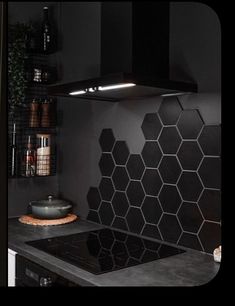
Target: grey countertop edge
x,y
192,268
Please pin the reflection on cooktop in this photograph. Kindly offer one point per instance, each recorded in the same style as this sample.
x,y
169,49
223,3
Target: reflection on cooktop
x,y
104,250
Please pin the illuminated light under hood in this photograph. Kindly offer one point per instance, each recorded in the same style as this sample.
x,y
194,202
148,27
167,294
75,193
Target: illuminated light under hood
x,y
117,86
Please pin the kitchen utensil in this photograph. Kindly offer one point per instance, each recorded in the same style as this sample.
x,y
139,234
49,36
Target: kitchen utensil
x,y
52,208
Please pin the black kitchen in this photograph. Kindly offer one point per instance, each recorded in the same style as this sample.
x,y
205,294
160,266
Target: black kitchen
x,y
114,144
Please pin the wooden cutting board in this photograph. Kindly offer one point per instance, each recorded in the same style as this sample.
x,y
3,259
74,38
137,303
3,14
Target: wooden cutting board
x,y
29,219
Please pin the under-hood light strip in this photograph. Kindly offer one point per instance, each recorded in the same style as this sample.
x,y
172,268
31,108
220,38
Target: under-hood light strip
x,y
75,93
117,86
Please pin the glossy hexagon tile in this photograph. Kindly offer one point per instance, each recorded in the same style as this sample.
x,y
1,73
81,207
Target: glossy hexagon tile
x,y
190,155
106,213
152,231
171,191
170,228
210,140
106,164
106,189
135,220
151,126
210,172
120,204
151,154
151,210
210,204
170,198
120,223
190,241
169,169
170,110
135,193
190,186
93,198
152,182
107,140
190,217
120,152
135,167
169,140
190,124
120,178
210,236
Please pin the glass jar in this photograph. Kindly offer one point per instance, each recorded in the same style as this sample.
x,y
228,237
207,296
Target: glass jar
x,y
43,154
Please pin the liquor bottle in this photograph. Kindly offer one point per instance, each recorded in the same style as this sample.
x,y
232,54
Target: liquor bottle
x,y
28,164
46,29
13,152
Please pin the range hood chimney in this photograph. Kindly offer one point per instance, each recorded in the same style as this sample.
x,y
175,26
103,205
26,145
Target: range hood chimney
x,y
134,55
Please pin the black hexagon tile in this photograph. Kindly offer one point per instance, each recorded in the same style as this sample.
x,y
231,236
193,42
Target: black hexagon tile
x,y
93,216
190,241
190,124
151,182
190,186
169,198
190,217
135,193
151,126
210,172
151,231
120,203
210,204
93,198
120,152
120,178
135,220
189,155
170,110
169,140
135,166
170,228
120,223
210,140
151,154
151,210
106,164
106,140
106,189
169,169
106,213
210,236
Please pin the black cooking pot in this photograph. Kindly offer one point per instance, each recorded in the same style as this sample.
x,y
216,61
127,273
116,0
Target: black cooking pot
x,y
50,209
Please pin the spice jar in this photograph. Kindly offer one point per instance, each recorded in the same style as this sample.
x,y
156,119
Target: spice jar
x,y
45,115
34,113
43,154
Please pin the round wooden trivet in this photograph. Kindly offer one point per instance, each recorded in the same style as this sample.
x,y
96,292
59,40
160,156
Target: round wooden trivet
x,y
29,219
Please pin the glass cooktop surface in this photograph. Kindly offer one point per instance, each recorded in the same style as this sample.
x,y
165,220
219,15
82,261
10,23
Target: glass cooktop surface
x,y
104,250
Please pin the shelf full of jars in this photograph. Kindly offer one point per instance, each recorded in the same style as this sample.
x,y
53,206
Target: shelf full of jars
x,y
32,125
32,140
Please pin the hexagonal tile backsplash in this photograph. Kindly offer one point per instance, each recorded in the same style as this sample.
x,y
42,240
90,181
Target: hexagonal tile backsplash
x,y
171,191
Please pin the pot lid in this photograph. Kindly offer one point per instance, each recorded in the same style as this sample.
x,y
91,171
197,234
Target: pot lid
x,y
51,202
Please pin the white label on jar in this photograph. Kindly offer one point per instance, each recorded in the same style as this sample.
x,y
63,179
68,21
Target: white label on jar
x,y
43,161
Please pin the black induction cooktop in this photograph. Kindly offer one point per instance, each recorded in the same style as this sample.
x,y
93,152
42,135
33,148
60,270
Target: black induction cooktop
x,y
104,250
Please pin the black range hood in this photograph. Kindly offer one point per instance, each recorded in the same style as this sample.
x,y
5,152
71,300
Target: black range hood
x,y
134,56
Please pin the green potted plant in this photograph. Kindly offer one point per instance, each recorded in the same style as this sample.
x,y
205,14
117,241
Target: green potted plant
x,y
17,54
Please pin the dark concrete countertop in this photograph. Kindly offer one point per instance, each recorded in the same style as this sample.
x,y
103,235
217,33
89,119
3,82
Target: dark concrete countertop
x,y
191,268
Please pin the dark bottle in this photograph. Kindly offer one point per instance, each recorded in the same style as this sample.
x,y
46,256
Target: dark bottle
x,y
13,152
46,29
28,163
